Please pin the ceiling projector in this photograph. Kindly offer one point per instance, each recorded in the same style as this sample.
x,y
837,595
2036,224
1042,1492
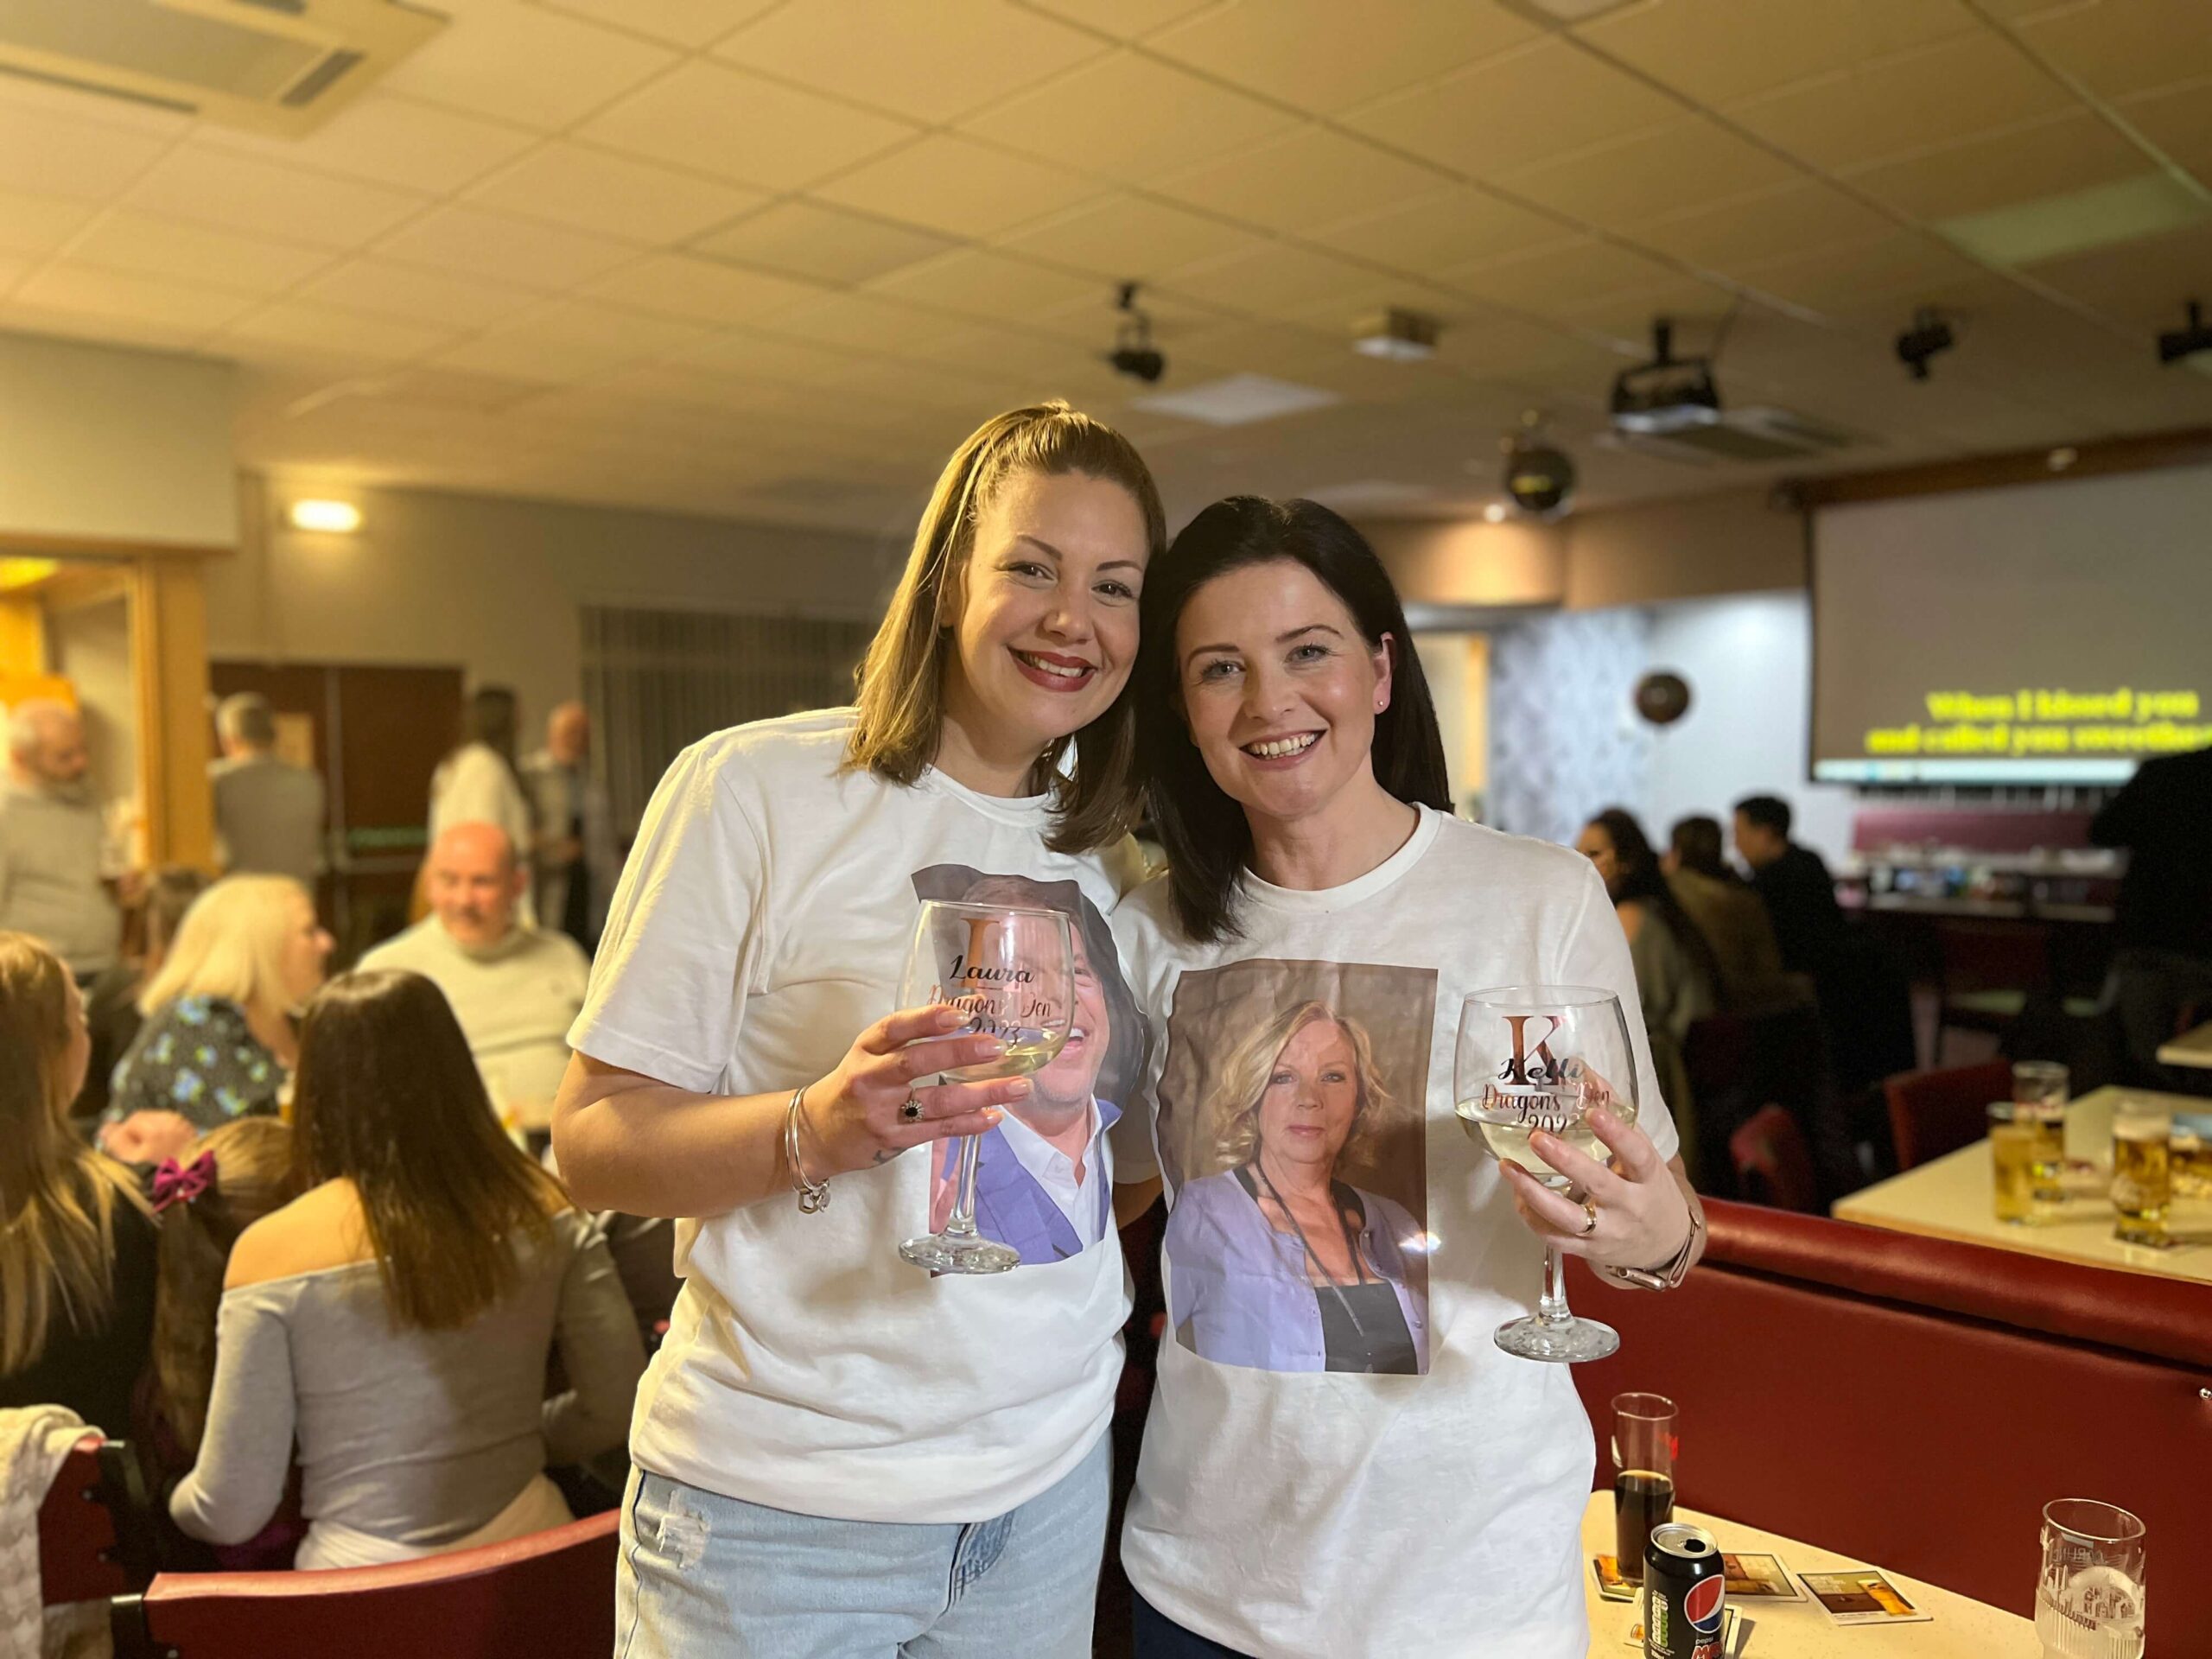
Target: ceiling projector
x,y
1668,394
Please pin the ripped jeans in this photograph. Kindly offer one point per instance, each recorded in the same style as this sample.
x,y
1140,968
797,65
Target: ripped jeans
x,y
706,1575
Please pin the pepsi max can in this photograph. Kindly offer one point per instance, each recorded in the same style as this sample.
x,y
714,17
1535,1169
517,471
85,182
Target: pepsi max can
x,y
1684,1584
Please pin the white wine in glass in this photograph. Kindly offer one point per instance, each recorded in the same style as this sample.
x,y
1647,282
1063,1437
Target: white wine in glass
x,y
1545,1056
1011,970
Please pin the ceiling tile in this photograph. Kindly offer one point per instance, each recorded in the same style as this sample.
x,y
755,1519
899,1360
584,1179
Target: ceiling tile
x,y
1455,226
862,322
1652,173
1308,175
1901,264
740,126
1324,56
958,187
47,98
1939,95
994,287
2180,124
690,23
1540,101
1127,237
46,155
821,244
102,327
1718,51
569,341
161,301
701,290
595,190
2024,164
748,357
1089,119
928,63
523,64
1791,221
1276,281
502,249
1572,273
388,140
414,293
1125,20
2121,47
2141,285
322,328
39,224
215,186
167,247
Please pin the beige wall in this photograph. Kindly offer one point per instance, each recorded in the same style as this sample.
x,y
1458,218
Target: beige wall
x,y
106,444
495,584
1472,563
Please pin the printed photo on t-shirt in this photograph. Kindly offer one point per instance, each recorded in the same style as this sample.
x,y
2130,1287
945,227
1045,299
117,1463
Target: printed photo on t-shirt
x,y
1292,1128
1043,1185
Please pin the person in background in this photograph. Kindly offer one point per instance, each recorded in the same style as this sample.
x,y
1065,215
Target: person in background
x,y
51,836
218,1042
112,1001
1731,918
1799,892
480,781
2161,976
578,862
514,988
397,1316
269,813
76,1238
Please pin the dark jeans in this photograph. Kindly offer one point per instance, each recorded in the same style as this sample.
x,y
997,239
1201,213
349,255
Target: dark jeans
x,y
1158,1636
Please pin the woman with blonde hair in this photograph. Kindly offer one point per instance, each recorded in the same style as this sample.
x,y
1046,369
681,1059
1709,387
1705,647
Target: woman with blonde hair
x,y
76,1242
218,1042
396,1318
1279,1261
835,1452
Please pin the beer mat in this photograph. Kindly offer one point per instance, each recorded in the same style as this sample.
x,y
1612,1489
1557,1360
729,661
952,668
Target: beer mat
x,y
1610,1586
1754,1576
1863,1596
1735,1632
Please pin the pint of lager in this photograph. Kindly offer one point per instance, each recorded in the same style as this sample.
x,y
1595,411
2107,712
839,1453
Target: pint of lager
x,y
2142,1173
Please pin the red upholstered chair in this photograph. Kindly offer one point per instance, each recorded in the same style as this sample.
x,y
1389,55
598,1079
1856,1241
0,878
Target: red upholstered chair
x,y
1773,1164
1914,1402
95,1528
550,1596
1935,1112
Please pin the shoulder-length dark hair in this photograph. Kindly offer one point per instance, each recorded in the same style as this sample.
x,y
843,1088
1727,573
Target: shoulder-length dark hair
x,y
1642,879
387,1096
1206,836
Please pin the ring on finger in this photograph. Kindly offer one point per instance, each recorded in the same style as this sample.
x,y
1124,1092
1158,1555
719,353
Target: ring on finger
x,y
1589,1217
910,1110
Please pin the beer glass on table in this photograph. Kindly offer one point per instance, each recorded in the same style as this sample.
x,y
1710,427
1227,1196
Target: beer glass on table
x,y
1545,1056
1011,970
2089,1601
1643,1475
2040,1088
2012,1136
2142,1171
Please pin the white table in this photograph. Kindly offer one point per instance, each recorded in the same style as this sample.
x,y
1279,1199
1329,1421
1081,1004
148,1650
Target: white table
x,y
1953,1196
2192,1048
1962,1628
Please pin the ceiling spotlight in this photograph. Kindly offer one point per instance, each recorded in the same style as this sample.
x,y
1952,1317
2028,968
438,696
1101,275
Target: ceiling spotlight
x,y
1494,513
1928,335
1401,336
1133,353
1538,476
2186,342
1668,394
332,517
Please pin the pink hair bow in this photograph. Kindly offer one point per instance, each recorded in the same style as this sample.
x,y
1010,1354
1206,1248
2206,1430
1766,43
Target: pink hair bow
x,y
175,1183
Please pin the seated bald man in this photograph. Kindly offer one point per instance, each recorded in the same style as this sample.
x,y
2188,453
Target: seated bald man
x,y
515,988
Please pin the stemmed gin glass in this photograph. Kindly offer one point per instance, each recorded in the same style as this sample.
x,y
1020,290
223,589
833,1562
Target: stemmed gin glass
x,y
1544,1057
1011,970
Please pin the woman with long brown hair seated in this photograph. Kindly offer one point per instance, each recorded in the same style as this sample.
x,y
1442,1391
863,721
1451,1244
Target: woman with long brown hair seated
x,y
76,1242
397,1317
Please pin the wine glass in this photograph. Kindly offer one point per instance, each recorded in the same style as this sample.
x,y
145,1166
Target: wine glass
x,y
1543,1057
1011,970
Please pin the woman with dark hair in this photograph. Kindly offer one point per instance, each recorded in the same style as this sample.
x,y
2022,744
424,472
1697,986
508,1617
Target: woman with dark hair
x,y
1294,772
397,1317
837,1454
1729,915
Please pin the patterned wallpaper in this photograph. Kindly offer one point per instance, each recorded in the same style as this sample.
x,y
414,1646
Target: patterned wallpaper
x,y
1565,741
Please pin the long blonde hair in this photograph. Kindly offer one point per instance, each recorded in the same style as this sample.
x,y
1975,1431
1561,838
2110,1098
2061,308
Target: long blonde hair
x,y
58,1196
230,944
1244,1077
900,690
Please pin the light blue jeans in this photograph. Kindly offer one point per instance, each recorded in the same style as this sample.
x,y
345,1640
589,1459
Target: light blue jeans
x,y
705,1575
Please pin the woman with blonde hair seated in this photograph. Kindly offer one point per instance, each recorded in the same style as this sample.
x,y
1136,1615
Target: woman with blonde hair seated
x,y
218,1043
396,1317
76,1242
1279,1262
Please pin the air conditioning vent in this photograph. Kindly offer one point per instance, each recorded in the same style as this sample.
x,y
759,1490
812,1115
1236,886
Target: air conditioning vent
x,y
271,65
1750,435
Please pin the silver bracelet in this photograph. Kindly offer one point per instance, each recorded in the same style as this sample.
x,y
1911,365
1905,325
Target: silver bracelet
x,y
813,1196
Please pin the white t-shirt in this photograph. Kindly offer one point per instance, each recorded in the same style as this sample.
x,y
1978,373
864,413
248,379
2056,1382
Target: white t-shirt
x,y
760,925
1290,1509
